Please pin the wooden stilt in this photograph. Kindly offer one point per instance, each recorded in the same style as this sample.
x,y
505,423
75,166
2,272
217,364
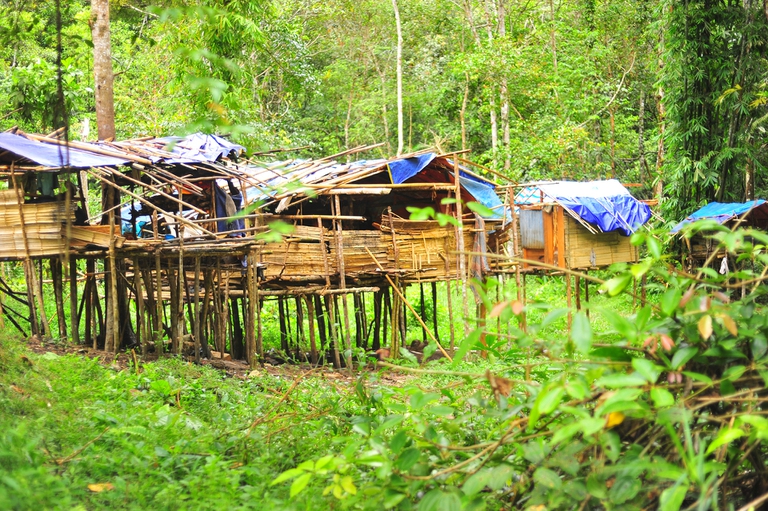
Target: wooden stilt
x,y
141,335
342,280
386,312
567,277
394,345
58,294
238,350
196,324
376,343
300,338
434,312
74,316
159,329
321,322
312,341
577,285
250,320
283,330
114,309
329,306
90,283
259,302
586,294
206,315
422,311
174,308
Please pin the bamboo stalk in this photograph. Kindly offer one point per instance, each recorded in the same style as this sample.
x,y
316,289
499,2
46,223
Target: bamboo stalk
x,y
141,334
407,304
89,147
343,281
90,283
114,309
74,317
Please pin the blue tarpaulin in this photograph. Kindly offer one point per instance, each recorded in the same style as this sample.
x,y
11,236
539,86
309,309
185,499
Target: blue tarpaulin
x,y
403,170
719,212
606,204
51,155
483,193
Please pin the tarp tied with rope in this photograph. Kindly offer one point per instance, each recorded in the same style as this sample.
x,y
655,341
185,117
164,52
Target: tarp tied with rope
x,y
605,204
722,212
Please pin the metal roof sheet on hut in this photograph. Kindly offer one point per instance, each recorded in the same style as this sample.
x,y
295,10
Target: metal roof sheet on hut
x,y
605,205
279,181
721,213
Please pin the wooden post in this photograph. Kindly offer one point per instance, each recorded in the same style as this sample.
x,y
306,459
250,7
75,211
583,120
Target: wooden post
x,y
449,297
334,337
259,336
174,308
113,341
321,323
460,245
283,331
434,311
141,334
298,356
196,318
577,285
250,320
586,293
312,341
342,280
376,320
206,316
394,347
422,311
568,298
90,284
74,318
159,333
58,294
386,312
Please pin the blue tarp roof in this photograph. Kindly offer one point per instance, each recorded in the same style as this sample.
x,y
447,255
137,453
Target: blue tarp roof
x,y
402,170
720,212
51,155
606,204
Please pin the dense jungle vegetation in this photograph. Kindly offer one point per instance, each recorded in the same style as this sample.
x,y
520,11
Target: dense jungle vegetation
x,y
652,401
658,92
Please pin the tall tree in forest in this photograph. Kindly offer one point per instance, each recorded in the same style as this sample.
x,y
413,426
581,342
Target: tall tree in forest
x,y
713,80
399,28
102,69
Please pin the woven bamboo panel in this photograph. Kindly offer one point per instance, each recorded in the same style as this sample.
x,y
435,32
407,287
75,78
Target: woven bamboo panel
x,y
297,259
8,197
357,259
587,250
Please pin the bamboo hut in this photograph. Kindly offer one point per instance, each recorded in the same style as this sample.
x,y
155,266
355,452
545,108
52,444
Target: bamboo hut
x,y
575,225
170,261
700,246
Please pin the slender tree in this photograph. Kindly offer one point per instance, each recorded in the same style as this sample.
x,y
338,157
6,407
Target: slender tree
x,y
399,78
102,69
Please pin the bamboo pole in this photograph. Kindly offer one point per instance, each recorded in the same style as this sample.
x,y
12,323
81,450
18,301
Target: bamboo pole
x,y
312,340
250,334
196,324
402,297
321,239
74,317
89,147
141,333
144,201
342,280
460,246
114,306
334,337
90,283
58,293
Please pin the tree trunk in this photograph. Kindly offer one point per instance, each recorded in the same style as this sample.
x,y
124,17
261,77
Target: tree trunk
x,y
102,69
399,79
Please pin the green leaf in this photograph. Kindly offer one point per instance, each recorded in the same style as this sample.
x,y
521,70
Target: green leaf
x,y
620,324
500,476
733,373
420,214
546,401
662,397
348,485
566,432
581,332
647,369
467,345
620,380
625,487
672,498
408,459
419,399
288,474
654,247
398,441
617,284
480,209
440,410
438,500
669,301
547,478
682,356
476,482
300,483
725,436
596,487
392,498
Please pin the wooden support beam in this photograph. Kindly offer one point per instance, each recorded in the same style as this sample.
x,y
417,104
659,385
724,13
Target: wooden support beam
x,y
74,317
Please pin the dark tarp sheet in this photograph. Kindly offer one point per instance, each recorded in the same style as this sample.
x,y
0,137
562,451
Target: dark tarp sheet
x,y
221,210
51,155
719,212
606,204
483,193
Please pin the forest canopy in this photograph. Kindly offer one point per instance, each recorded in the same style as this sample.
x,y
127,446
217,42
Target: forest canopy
x,y
656,92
